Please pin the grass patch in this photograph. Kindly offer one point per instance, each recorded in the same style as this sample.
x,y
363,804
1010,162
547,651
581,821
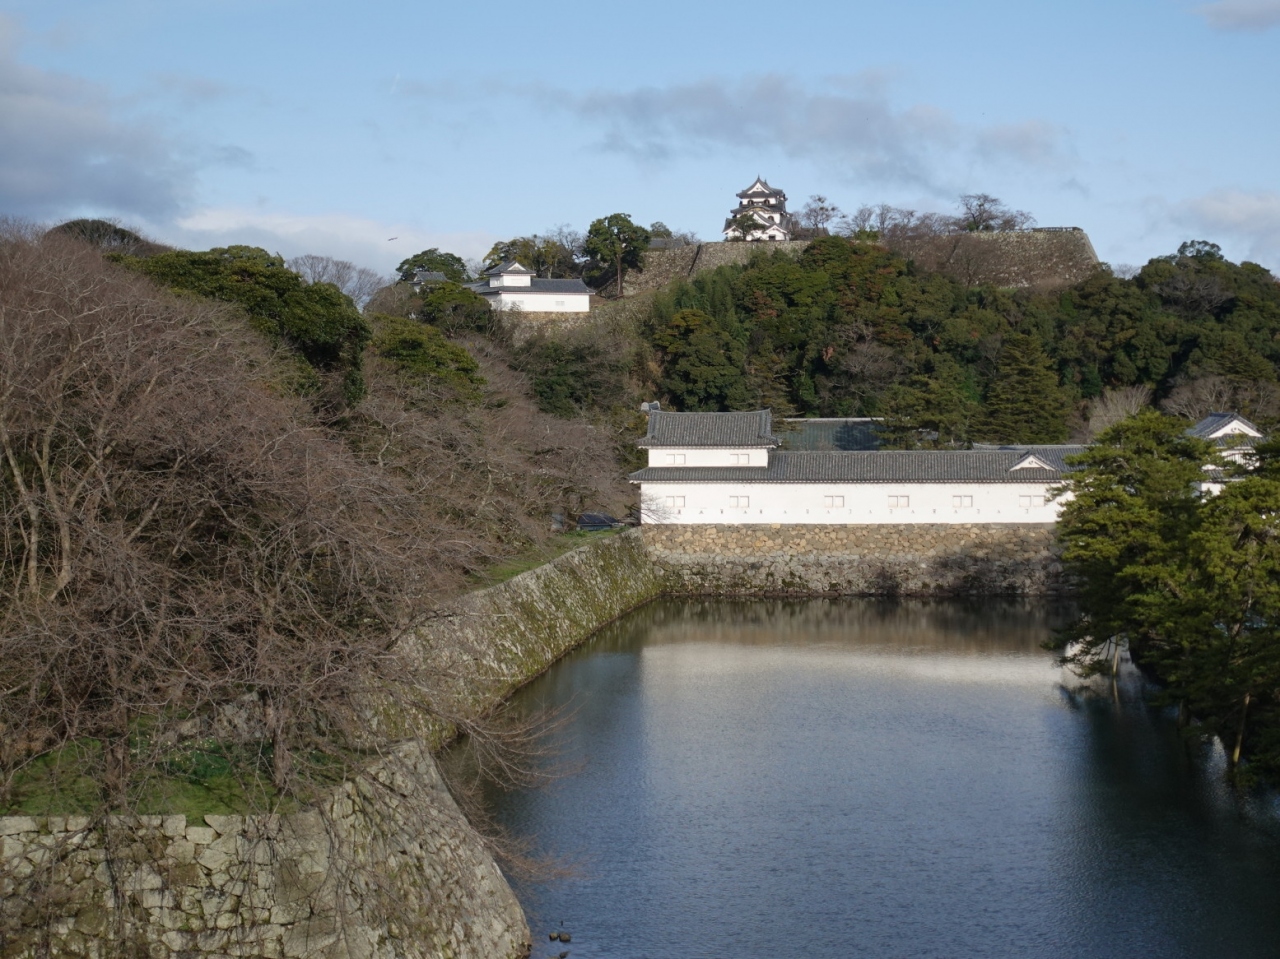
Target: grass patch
x,y
194,779
538,556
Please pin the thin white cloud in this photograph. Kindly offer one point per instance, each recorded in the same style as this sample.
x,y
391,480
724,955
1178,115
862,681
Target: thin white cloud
x,y
1248,220
1248,15
850,125
64,149
366,242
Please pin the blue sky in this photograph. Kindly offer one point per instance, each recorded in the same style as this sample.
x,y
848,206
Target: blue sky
x,y
332,128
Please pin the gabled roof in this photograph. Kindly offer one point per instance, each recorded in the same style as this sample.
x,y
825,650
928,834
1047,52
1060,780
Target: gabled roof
x,y
511,266
760,188
536,285
709,430
880,466
1217,425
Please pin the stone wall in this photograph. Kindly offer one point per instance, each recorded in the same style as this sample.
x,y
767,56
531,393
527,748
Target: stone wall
x,y
663,266
318,884
1042,259
496,640
321,883
1038,259
908,560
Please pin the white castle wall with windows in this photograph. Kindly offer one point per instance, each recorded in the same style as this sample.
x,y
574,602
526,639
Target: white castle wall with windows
x,y
726,468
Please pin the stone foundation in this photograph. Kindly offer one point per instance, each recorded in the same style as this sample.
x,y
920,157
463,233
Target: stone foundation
x,y
902,560
320,883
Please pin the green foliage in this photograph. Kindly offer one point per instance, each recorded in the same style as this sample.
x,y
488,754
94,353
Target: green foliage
x,y
703,366
1024,403
422,353
548,257
317,319
849,328
574,375
455,309
108,236
616,241
436,261
1191,583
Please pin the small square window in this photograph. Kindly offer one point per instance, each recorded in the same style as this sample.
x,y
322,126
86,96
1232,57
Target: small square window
x,y
675,459
899,502
1029,502
833,502
675,502
740,459
739,502
962,502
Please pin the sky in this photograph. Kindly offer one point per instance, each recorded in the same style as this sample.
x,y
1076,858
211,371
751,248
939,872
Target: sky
x,y
371,131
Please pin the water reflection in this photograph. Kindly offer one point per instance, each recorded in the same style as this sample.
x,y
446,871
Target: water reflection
x,y
837,778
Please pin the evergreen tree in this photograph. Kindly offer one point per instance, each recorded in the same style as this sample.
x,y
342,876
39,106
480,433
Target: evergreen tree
x,y
1025,404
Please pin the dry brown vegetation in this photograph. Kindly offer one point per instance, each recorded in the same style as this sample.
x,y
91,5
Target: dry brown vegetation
x,y
195,563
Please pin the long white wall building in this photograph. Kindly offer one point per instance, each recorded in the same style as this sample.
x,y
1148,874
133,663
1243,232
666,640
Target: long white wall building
x,y
727,468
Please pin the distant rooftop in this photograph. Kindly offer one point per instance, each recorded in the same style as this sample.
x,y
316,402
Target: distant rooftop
x,y
831,434
709,430
1221,425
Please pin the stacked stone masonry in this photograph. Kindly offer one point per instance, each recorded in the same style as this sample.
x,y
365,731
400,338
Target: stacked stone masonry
x,y
313,884
321,883
907,560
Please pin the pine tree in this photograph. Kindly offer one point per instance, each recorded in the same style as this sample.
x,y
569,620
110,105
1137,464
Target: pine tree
x,y
1025,404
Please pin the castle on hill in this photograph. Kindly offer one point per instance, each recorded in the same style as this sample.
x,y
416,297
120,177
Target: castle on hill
x,y
761,215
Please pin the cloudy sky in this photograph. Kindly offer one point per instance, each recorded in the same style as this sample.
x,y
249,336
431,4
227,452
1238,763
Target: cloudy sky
x,y
370,131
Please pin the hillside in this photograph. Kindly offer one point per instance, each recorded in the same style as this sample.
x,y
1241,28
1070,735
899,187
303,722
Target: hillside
x,y
850,328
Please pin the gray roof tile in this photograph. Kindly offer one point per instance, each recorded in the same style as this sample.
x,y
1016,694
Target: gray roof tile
x,y
709,430
879,466
1216,421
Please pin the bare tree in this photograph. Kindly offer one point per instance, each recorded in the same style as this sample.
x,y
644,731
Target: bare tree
x,y
817,215
1195,399
1116,405
358,282
983,213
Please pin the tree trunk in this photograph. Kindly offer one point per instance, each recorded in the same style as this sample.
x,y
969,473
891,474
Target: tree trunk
x,y
619,277
275,717
115,769
1244,714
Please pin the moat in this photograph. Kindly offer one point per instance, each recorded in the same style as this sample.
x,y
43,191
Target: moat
x,y
850,778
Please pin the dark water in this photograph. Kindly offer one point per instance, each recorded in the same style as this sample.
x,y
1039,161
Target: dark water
x,y
853,778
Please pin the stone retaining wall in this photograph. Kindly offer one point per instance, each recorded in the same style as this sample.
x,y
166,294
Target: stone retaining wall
x,y
496,640
318,884
321,883
907,560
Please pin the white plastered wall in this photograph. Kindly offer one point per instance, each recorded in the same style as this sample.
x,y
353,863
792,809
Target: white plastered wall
x,y
542,302
852,503
710,457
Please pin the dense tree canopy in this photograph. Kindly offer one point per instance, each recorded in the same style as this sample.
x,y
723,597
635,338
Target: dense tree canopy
x,y
316,319
849,328
1190,583
436,261
615,241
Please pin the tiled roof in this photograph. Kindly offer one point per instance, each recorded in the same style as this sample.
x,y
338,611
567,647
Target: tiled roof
x,y
830,435
767,191
879,466
510,266
709,430
536,285
1216,421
